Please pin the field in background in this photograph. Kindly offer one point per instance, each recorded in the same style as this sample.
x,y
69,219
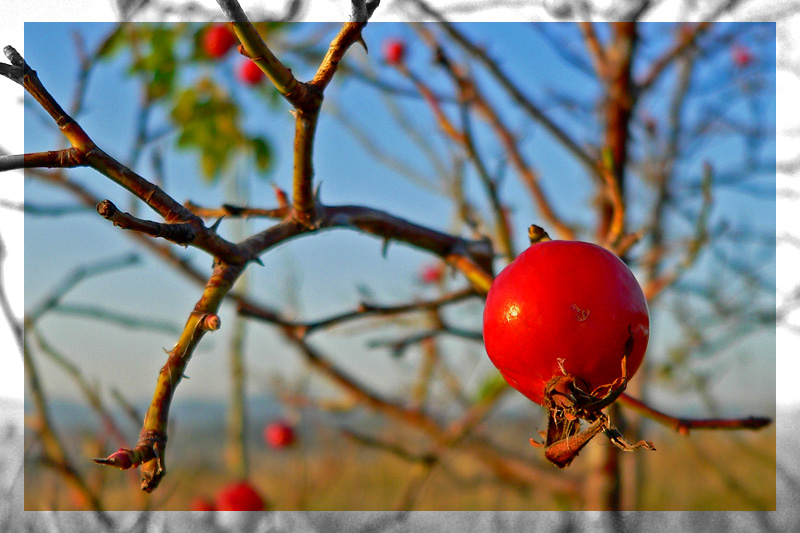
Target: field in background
x,y
709,471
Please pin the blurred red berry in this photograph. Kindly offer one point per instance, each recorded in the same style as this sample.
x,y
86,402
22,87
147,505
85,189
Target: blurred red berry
x,y
202,504
742,56
239,496
432,273
279,434
217,40
249,73
394,51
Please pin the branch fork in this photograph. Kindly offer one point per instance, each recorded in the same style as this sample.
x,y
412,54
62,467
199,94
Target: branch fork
x,y
148,452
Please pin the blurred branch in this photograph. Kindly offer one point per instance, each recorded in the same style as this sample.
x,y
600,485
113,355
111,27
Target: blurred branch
x,y
116,318
364,310
686,39
421,420
89,392
595,48
665,171
397,163
516,94
74,278
133,414
616,108
53,449
657,285
13,322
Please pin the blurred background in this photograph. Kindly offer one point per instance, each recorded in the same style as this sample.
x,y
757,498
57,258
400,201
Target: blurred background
x,y
699,183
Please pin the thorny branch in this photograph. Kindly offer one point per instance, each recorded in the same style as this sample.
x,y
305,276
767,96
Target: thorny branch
x,y
306,215
184,227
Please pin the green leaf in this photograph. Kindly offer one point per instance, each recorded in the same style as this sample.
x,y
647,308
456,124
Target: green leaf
x,y
113,43
208,122
157,58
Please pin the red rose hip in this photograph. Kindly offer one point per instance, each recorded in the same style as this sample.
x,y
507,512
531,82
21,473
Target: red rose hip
x,y
564,307
279,434
394,51
239,496
249,73
217,40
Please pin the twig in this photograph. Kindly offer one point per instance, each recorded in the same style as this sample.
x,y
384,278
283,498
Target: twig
x,y
74,278
595,48
686,40
179,233
13,322
114,317
516,94
469,94
150,449
364,310
55,454
90,393
254,47
656,286
87,153
229,210
684,425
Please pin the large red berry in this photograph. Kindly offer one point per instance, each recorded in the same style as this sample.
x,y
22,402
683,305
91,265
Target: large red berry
x,y
217,40
564,300
239,496
249,73
279,434
394,51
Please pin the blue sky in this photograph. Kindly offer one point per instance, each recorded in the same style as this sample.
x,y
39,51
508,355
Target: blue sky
x,y
321,272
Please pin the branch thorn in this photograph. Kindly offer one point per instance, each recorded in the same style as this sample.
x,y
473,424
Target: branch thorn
x,y
216,224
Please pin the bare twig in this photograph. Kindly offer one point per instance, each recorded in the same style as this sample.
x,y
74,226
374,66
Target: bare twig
x,y
516,94
684,425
